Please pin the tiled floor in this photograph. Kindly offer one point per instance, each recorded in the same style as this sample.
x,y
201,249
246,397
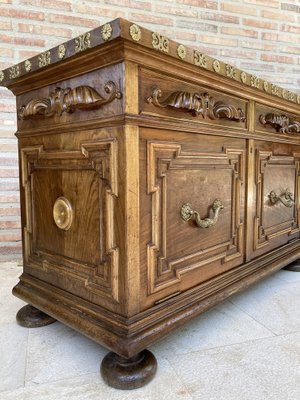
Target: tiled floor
x,y
248,348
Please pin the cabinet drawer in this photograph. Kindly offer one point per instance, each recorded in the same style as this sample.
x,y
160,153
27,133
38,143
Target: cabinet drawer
x,y
176,254
173,98
276,195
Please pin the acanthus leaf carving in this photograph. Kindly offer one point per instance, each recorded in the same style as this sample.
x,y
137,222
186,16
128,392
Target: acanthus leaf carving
x,y
197,104
282,123
68,100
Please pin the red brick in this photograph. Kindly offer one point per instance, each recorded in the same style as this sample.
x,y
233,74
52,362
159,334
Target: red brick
x,y
100,11
200,3
12,13
258,45
186,12
290,49
6,52
220,17
152,19
238,9
60,5
5,1
45,30
238,53
258,67
9,173
4,107
10,224
24,54
10,235
258,23
143,5
181,35
277,15
11,248
5,161
22,41
9,211
211,51
5,25
290,28
239,31
266,3
70,20
218,40
276,58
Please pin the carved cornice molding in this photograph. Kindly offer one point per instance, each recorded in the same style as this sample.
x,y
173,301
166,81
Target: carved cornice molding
x,y
68,100
197,104
282,123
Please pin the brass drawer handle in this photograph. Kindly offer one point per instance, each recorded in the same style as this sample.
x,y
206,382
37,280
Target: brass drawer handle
x,y
285,198
63,213
188,213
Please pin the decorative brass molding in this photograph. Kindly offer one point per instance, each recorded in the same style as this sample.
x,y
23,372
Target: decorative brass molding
x,y
82,42
282,123
266,86
44,59
216,65
68,100
188,213
197,104
275,89
63,213
2,76
106,31
230,71
285,198
27,66
61,51
135,32
254,81
200,59
160,42
243,77
181,51
14,72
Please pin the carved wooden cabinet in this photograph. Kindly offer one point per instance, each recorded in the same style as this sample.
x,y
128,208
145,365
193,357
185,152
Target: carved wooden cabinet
x,y
155,182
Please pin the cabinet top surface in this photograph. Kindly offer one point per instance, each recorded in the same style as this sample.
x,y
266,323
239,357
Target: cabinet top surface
x,y
120,28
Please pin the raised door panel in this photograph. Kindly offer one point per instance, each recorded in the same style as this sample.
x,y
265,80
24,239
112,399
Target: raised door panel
x,y
177,175
68,216
276,196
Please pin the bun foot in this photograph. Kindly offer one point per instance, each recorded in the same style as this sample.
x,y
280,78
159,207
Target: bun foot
x,y
31,317
294,266
126,374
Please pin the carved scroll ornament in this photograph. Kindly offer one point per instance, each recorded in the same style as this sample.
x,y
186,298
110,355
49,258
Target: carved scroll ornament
x,y
282,123
68,100
197,104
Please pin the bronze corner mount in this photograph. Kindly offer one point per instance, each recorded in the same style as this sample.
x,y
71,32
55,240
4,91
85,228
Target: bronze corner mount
x,y
281,123
68,100
197,104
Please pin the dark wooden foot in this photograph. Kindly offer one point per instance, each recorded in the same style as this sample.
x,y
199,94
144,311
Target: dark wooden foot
x,y
31,317
126,374
294,266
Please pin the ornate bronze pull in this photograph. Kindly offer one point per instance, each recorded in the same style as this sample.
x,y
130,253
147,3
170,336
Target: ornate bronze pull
x,y
188,213
63,213
285,198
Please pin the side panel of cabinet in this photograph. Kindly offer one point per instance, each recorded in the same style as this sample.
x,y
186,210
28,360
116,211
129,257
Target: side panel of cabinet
x,y
83,169
276,196
176,169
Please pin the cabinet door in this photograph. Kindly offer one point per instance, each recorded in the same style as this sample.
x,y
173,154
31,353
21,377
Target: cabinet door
x,y
276,196
177,169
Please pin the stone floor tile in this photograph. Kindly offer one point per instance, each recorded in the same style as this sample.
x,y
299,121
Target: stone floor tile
x,y
263,369
221,326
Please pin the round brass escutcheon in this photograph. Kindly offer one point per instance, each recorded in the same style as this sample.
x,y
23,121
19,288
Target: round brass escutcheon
x,y
63,213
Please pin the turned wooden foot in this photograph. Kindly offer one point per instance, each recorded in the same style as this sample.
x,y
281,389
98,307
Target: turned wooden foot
x,y
31,317
294,266
131,373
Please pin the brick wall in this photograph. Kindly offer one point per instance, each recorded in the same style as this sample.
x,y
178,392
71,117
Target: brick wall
x,y
260,36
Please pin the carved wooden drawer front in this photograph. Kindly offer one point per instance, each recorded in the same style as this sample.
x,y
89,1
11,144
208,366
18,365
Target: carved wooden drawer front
x,y
276,195
276,121
183,172
174,98
96,95
68,215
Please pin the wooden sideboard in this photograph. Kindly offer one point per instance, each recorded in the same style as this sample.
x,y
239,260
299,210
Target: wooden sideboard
x,y
155,182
